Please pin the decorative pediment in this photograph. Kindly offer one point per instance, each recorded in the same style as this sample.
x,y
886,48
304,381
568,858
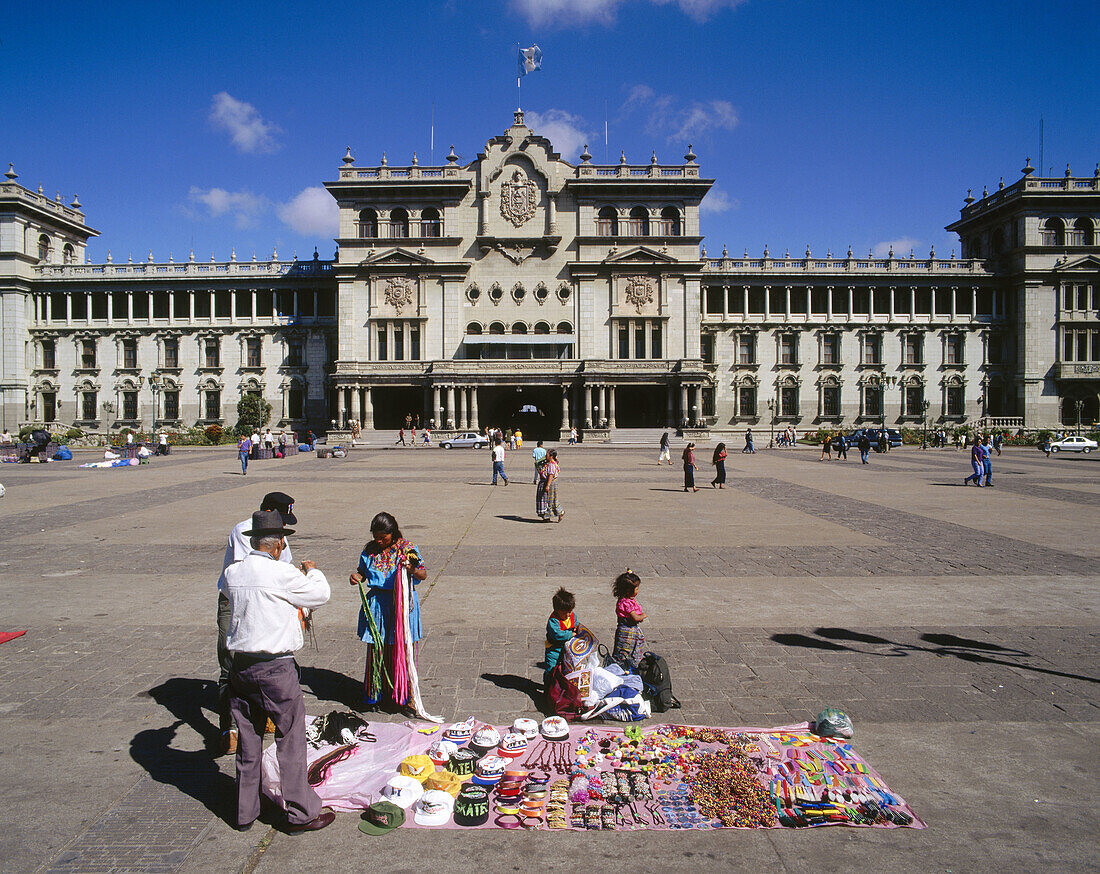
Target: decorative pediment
x,y
397,257
639,255
1086,263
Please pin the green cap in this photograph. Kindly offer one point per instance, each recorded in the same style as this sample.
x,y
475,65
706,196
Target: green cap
x,y
381,817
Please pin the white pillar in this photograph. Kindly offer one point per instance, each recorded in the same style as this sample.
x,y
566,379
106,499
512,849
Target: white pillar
x,y
474,418
368,409
450,406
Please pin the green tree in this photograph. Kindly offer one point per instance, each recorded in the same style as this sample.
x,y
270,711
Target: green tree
x,y
253,412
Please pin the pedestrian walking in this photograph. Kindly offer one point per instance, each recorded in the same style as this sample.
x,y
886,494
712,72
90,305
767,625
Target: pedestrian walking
x,y
538,455
987,460
426,436
749,448
841,446
719,462
826,448
664,452
400,438
998,442
546,495
498,462
977,463
864,446
689,468
264,633
572,436
244,450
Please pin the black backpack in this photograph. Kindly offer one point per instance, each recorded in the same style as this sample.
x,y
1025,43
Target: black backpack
x,y
656,683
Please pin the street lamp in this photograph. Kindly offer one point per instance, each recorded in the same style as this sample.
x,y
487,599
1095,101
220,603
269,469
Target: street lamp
x,y
595,417
1078,404
695,415
771,418
441,411
924,405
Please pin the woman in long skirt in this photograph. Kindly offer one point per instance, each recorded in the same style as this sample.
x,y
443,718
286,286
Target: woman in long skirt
x,y
689,468
546,496
379,568
719,462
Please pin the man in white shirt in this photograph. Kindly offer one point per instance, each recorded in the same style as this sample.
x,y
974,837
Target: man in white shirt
x,y
5,437
498,462
237,549
265,595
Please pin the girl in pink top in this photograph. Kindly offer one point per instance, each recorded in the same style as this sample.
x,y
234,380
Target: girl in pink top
x,y
629,640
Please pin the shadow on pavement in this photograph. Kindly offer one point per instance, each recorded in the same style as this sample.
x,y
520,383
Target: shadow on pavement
x,y
328,685
529,521
940,644
526,685
194,773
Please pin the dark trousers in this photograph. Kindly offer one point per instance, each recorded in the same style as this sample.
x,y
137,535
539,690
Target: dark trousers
x,y
689,476
225,662
259,690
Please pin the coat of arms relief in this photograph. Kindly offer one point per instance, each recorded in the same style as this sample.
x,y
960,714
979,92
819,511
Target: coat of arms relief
x,y
518,199
399,293
639,292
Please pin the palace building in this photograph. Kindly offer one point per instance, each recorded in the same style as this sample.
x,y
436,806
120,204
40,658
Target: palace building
x,y
524,290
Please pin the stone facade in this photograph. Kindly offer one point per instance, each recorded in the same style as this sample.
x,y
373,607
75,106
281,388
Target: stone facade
x,y
521,290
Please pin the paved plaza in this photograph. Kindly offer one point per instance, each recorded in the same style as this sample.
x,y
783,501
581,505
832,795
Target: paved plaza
x,y
957,626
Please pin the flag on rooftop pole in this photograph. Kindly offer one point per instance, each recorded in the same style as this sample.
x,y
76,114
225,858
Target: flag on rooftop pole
x,y
530,59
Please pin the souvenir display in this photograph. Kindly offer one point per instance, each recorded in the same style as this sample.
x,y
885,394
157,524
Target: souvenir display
x,y
606,778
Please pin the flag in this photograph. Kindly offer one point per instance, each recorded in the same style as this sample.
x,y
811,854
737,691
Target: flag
x,y
529,60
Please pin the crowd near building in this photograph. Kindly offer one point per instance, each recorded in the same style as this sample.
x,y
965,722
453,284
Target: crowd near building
x,y
522,290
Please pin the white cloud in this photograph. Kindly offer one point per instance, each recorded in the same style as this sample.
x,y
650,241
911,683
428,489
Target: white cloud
x,y
564,130
247,130
562,13
901,247
668,116
718,201
243,205
312,212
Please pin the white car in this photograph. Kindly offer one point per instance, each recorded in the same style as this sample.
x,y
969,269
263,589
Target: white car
x,y
1073,444
465,438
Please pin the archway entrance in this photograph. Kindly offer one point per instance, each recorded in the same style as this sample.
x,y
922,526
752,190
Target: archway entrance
x,y
641,406
393,403
1088,405
533,409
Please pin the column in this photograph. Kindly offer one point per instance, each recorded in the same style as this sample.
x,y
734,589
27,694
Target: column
x,y
435,407
565,408
368,409
587,405
829,302
355,402
611,406
340,409
474,418
129,309
552,213
725,303
684,408
253,307
69,309
450,406
745,300
787,302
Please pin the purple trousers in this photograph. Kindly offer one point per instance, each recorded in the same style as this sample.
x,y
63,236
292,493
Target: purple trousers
x,y
269,688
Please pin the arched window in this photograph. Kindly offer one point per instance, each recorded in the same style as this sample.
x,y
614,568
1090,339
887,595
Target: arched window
x,y
399,223
519,328
670,222
368,223
607,222
473,328
542,328
69,254
565,328
496,328
638,223
43,248
1083,233
431,225
1054,232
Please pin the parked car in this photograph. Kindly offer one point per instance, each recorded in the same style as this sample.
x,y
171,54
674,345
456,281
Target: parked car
x,y
893,437
465,439
1073,444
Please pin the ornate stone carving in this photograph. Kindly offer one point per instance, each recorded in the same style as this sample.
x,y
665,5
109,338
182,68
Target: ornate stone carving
x,y
639,292
399,293
516,254
518,199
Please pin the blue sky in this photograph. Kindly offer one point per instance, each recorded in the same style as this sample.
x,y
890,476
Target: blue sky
x,y
824,124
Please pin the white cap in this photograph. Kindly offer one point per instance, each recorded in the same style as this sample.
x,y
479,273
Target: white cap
x,y
434,807
554,728
485,739
527,727
403,791
441,751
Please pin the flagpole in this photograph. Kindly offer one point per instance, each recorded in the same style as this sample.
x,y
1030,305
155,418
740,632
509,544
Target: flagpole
x,y
519,92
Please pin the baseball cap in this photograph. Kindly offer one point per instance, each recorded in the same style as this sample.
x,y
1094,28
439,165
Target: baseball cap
x,y
381,817
463,762
489,770
554,728
485,739
441,751
419,767
512,746
472,806
460,732
527,727
445,781
433,808
403,791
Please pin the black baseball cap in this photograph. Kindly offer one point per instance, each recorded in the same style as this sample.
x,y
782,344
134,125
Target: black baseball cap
x,y
282,502
472,806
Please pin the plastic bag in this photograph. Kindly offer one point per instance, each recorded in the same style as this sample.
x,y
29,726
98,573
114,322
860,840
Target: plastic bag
x,y
832,722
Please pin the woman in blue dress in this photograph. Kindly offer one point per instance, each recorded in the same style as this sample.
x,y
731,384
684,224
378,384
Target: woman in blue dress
x,y
379,564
